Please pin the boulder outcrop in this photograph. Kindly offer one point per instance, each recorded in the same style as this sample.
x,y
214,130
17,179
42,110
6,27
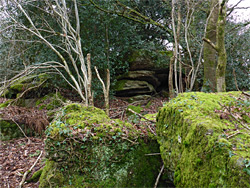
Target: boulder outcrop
x,y
131,88
143,77
87,149
201,144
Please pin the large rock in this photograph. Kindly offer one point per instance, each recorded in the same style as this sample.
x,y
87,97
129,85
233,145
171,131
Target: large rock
x,y
142,75
87,149
130,88
199,146
31,85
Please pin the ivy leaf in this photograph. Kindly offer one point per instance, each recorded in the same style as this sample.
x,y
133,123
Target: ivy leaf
x,y
231,154
247,170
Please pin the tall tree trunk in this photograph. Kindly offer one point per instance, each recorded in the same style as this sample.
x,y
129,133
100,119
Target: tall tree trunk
x,y
210,61
179,50
175,46
170,78
222,56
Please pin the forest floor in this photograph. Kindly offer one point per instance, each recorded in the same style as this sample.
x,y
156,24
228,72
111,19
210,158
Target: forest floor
x,y
18,155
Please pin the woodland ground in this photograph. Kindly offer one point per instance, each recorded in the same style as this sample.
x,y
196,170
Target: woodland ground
x,y
17,155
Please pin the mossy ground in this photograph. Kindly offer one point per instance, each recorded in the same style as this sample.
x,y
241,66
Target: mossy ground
x,y
194,146
91,150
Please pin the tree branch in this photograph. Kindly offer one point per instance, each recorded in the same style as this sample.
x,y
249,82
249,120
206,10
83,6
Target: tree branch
x,y
27,172
210,43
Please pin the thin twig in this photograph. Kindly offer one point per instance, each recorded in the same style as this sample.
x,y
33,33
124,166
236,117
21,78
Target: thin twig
x,y
244,93
28,171
158,177
129,140
238,132
245,126
21,130
149,154
141,116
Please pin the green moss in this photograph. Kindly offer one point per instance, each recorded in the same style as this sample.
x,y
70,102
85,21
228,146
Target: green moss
x,y
92,150
18,86
150,117
136,109
193,145
51,176
25,83
9,130
148,104
120,85
35,177
6,103
50,101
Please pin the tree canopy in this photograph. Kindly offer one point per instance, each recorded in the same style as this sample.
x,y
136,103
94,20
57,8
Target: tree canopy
x,y
171,31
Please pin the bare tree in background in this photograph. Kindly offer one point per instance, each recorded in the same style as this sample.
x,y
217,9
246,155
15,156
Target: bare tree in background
x,y
69,37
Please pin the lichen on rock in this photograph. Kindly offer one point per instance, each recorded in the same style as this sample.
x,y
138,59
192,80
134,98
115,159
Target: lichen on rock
x,y
195,144
85,148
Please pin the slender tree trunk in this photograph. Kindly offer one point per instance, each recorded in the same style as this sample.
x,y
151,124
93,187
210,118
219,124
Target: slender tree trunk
x,y
170,78
179,50
222,56
175,46
210,60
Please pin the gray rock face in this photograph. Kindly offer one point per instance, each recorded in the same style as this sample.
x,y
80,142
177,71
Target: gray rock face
x,y
130,88
142,75
143,78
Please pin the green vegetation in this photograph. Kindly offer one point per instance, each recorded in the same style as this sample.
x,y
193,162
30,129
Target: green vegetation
x,y
9,130
194,145
87,149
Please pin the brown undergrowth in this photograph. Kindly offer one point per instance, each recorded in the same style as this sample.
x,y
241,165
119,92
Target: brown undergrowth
x,y
34,119
16,157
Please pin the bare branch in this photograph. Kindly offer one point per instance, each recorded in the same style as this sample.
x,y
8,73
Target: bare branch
x,y
210,43
27,172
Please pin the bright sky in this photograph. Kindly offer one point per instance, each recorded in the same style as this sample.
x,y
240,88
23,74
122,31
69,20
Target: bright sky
x,y
241,14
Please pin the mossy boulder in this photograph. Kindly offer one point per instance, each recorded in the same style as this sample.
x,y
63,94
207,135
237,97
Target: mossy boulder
x,y
30,82
50,101
85,148
195,144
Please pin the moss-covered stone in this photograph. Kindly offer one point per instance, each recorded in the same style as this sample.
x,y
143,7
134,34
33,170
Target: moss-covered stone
x,y
51,176
194,146
23,84
51,101
91,150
